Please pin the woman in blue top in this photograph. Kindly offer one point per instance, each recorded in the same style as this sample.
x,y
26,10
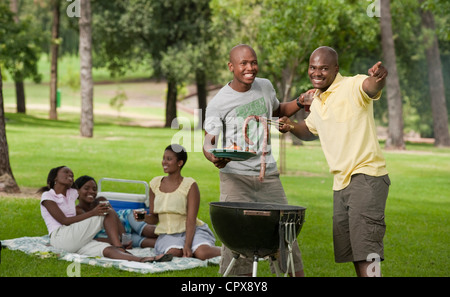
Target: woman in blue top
x,y
142,234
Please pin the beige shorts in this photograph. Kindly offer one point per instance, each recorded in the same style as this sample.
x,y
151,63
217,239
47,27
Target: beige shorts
x,y
358,218
78,237
248,188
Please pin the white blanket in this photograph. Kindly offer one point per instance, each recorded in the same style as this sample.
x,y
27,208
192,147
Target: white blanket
x,y
40,246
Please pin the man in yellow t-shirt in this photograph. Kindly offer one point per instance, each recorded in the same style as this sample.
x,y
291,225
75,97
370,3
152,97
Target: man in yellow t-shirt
x,y
342,116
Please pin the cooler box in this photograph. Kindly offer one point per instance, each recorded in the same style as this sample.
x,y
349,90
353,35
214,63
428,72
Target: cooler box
x,y
119,200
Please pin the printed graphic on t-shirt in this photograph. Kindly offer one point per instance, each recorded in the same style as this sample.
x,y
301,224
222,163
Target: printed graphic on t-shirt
x,y
256,107
255,130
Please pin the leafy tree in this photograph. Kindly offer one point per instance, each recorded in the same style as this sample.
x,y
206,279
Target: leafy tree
x,y
395,132
288,32
412,65
182,28
436,80
158,32
20,53
5,34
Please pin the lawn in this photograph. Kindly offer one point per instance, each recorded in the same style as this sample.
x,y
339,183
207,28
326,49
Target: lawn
x,y
417,214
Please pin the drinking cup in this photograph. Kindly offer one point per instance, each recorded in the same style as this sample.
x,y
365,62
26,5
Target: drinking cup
x,y
140,214
126,239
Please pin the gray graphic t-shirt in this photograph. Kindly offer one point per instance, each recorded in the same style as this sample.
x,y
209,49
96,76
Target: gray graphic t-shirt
x,y
225,116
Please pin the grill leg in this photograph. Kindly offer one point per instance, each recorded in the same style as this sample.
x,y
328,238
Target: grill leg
x,y
275,265
255,265
230,266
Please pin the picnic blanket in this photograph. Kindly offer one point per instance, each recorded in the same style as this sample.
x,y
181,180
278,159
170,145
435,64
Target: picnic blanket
x,y
40,246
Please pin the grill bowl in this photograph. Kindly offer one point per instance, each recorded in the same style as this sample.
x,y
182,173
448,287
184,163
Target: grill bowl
x,y
250,229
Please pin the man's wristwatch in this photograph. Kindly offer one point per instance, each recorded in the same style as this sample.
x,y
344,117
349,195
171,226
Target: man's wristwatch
x,y
299,104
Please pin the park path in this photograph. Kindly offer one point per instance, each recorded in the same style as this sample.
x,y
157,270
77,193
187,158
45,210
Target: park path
x,y
152,94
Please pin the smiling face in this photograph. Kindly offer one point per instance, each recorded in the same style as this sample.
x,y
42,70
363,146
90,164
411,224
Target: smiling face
x,y
244,65
323,68
64,177
88,192
170,162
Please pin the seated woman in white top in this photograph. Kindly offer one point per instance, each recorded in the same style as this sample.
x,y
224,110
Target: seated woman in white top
x,y
75,233
174,204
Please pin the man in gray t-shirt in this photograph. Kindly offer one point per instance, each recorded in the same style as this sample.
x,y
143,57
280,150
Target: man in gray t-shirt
x,y
226,114
246,95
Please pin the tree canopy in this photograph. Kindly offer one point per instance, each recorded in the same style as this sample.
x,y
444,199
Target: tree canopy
x,y
182,40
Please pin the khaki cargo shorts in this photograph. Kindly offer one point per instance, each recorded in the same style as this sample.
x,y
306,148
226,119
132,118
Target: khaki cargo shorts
x,y
358,219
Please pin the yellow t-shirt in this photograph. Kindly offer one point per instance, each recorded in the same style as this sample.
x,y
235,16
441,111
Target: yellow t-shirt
x,y
171,207
342,116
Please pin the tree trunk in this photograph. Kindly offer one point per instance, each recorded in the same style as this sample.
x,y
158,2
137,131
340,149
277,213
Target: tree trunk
x,y
86,83
7,181
53,115
202,95
171,103
394,96
20,97
20,90
288,74
436,82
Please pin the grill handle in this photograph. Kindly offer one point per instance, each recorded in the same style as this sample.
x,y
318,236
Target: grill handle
x,y
257,213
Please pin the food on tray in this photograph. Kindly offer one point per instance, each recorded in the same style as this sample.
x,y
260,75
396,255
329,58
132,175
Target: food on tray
x,y
247,149
234,147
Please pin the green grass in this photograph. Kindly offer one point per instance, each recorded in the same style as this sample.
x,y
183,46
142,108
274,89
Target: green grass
x,y
417,213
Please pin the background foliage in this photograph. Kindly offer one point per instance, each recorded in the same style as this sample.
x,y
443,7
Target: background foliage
x,y
175,39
